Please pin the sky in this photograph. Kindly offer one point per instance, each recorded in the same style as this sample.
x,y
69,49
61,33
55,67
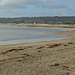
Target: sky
x,y
36,8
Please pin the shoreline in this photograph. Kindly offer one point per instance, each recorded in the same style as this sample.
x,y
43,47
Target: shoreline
x,y
62,26
56,57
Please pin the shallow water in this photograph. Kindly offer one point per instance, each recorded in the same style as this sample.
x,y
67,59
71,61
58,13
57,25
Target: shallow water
x,y
16,34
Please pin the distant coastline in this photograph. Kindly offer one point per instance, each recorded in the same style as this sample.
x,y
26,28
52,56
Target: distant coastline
x,y
65,26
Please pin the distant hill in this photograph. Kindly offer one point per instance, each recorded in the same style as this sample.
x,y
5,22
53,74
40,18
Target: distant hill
x,y
42,20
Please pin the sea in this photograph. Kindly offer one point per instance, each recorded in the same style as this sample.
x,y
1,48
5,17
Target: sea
x,y
21,34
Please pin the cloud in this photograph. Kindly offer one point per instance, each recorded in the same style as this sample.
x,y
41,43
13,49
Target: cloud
x,y
39,7
73,0
16,3
51,4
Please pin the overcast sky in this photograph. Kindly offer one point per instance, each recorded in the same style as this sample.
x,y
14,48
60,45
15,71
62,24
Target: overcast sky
x,y
31,8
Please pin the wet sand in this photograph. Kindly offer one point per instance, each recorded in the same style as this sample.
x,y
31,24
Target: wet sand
x,y
55,57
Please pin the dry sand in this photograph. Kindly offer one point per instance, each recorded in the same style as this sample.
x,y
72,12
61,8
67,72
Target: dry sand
x,y
55,57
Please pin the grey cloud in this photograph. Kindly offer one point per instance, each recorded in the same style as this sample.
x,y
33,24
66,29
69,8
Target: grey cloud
x,y
16,3
51,4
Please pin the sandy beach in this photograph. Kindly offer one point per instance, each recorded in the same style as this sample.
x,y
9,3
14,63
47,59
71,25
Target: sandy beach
x,y
55,57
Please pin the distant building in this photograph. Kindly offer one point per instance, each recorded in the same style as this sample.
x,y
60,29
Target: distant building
x,y
60,22
34,23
